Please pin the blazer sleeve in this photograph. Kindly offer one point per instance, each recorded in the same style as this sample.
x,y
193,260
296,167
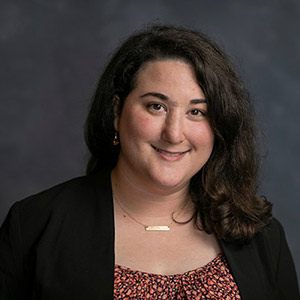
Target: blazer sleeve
x,y
284,268
58,244
12,281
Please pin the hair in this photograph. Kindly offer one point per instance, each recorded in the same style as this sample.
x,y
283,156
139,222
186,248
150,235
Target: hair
x,y
224,190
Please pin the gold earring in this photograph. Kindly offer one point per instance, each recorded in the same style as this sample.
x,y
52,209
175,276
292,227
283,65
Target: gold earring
x,y
116,140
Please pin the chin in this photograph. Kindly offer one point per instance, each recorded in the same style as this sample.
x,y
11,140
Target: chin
x,y
169,183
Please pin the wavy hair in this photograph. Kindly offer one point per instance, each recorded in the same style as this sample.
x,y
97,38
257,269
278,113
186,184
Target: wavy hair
x,y
224,190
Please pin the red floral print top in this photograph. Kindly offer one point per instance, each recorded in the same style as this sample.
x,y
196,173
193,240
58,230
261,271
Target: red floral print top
x,y
212,281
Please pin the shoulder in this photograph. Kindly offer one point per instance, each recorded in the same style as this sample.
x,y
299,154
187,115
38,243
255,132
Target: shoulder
x,y
271,246
269,239
264,262
67,204
272,236
75,192
58,231
265,246
74,206
281,259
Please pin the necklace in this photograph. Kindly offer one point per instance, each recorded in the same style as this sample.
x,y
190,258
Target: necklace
x,y
149,227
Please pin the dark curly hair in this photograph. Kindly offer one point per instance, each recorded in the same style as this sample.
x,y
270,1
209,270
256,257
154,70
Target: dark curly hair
x,y
224,190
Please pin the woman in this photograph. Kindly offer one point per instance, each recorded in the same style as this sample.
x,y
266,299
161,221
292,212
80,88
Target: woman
x,y
169,208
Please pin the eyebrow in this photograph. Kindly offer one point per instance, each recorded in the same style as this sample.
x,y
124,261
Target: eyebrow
x,y
166,98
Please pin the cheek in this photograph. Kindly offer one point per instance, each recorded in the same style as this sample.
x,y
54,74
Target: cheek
x,y
138,127
204,137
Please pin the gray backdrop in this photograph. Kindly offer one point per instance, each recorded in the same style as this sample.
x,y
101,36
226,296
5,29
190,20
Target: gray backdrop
x,y
51,55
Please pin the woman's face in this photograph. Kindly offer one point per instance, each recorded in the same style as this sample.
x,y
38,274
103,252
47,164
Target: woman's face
x,y
165,137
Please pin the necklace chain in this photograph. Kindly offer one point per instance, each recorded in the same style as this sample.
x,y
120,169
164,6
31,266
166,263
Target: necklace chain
x,y
149,227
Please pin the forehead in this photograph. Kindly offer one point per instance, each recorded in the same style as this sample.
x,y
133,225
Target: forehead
x,y
165,69
164,66
168,76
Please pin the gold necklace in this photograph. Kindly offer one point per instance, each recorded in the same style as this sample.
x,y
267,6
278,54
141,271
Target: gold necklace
x,y
149,227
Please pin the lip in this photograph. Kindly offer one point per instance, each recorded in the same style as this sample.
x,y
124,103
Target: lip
x,y
170,155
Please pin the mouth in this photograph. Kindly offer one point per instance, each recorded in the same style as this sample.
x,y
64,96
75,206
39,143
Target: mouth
x,y
169,153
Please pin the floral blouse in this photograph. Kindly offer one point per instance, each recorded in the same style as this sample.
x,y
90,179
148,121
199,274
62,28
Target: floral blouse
x,y
212,281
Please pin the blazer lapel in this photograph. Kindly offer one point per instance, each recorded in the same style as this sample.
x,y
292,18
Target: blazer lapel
x,y
252,271
103,217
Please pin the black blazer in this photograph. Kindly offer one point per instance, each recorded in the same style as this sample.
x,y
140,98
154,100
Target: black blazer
x,y
59,244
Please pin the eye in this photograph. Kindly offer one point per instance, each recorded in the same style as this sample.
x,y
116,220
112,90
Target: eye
x,y
195,113
156,107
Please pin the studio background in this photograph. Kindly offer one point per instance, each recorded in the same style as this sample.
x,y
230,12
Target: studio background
x,y
52,53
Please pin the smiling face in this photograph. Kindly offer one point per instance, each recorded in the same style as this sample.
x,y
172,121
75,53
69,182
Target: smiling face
x,y
165,137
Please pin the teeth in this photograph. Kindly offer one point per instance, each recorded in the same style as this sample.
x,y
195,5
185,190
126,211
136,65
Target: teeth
x,y
168,153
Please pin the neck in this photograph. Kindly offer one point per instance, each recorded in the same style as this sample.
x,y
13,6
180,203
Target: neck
x,y
148,203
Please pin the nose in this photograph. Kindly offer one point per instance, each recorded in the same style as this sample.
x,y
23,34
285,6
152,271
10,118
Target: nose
x,y
173,130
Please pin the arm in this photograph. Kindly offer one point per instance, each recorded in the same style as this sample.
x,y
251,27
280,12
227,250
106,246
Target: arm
x,y
284,266
12,281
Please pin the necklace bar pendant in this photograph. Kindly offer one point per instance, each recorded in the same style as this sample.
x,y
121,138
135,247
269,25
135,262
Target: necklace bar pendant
x,y
157,228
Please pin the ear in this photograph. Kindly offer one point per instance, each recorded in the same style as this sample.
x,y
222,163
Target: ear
x,y
117,112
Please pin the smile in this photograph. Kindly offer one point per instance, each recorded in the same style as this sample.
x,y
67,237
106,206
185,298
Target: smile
x,y
168,153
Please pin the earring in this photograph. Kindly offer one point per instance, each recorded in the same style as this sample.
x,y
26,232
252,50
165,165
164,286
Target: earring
x,y
116,140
